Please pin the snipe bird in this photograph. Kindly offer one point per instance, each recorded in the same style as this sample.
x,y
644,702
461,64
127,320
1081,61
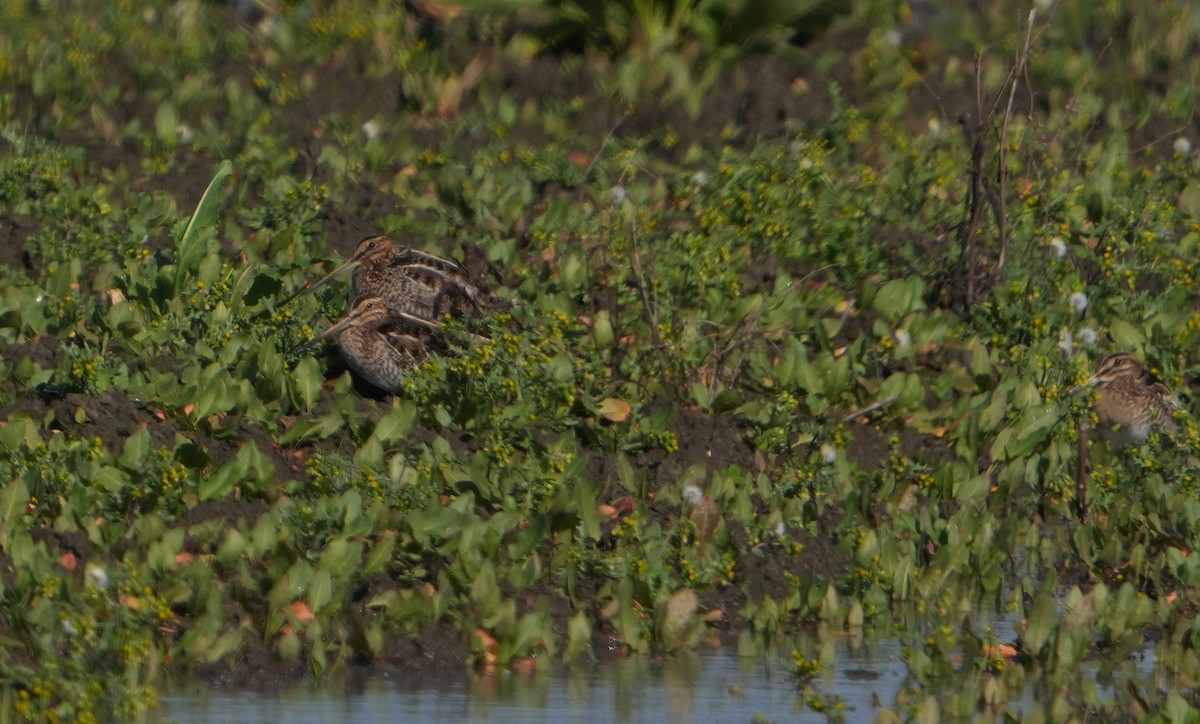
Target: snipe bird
x,y
378,343
1131,400
409,281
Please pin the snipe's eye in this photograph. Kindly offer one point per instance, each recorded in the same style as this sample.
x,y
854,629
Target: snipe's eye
x,y
371,245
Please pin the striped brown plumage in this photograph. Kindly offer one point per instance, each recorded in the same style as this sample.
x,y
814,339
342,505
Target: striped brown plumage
x,y
1131,400
378,343
410,281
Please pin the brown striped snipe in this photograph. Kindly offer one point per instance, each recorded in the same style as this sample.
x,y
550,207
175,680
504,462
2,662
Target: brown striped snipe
x,y
1132,401
378,343
410,281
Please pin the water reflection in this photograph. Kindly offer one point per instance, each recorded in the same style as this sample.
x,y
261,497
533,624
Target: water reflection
x,y
706,686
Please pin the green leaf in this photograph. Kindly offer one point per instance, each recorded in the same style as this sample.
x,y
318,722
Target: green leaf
x,y
308,378
320,428
209,204
808,377
320,590
225,644
112,479
1126,335
396,424
340,556
1189,199
624,472
373,636
900,297
1031,430
380,555
192,245
1039,624
166,124
19,430
295,580
13,501
485,594
579,635
160,556
529,539
221,482
973,490
135,449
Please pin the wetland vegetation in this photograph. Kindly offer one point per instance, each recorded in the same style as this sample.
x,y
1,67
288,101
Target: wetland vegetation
x,y
802,292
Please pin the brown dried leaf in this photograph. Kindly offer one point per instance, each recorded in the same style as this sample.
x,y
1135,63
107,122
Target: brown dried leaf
x,y
614,410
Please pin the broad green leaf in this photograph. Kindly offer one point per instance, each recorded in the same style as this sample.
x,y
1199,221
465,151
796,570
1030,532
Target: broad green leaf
x,y
291,584
221,482
395,425
485,594
320,428
1125,335
579,635
1040,623
900,297
1189,199
380,554
13,500
112,479
166,123
19,430
624,472
340,556
529,538
972,490
1031,430
136,447
320,590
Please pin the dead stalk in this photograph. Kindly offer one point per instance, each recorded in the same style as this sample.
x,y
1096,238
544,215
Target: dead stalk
x,y
982,185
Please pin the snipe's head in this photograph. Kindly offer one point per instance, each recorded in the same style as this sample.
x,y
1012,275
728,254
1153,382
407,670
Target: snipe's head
x,y
372,248
370,312
1114,368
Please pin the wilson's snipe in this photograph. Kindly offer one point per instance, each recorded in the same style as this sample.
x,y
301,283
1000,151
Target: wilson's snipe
x,y
379,343
409,281
1132,400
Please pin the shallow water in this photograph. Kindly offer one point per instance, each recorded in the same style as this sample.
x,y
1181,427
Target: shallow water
x,y
707,686
713,685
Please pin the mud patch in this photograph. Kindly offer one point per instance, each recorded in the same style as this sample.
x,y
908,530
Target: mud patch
x,y
774,574
112,417
872,446
230,511
713,440
438,652
42,350
14,230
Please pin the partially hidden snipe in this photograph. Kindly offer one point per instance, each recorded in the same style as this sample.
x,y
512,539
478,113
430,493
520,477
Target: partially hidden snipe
x,y
410,281
379,344
1132,401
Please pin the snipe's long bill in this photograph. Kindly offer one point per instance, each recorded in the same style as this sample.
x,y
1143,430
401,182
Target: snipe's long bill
x,y
373,249
379,344
1131,399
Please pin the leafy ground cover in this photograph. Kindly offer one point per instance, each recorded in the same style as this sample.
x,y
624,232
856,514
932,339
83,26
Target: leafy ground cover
x,y
797,326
